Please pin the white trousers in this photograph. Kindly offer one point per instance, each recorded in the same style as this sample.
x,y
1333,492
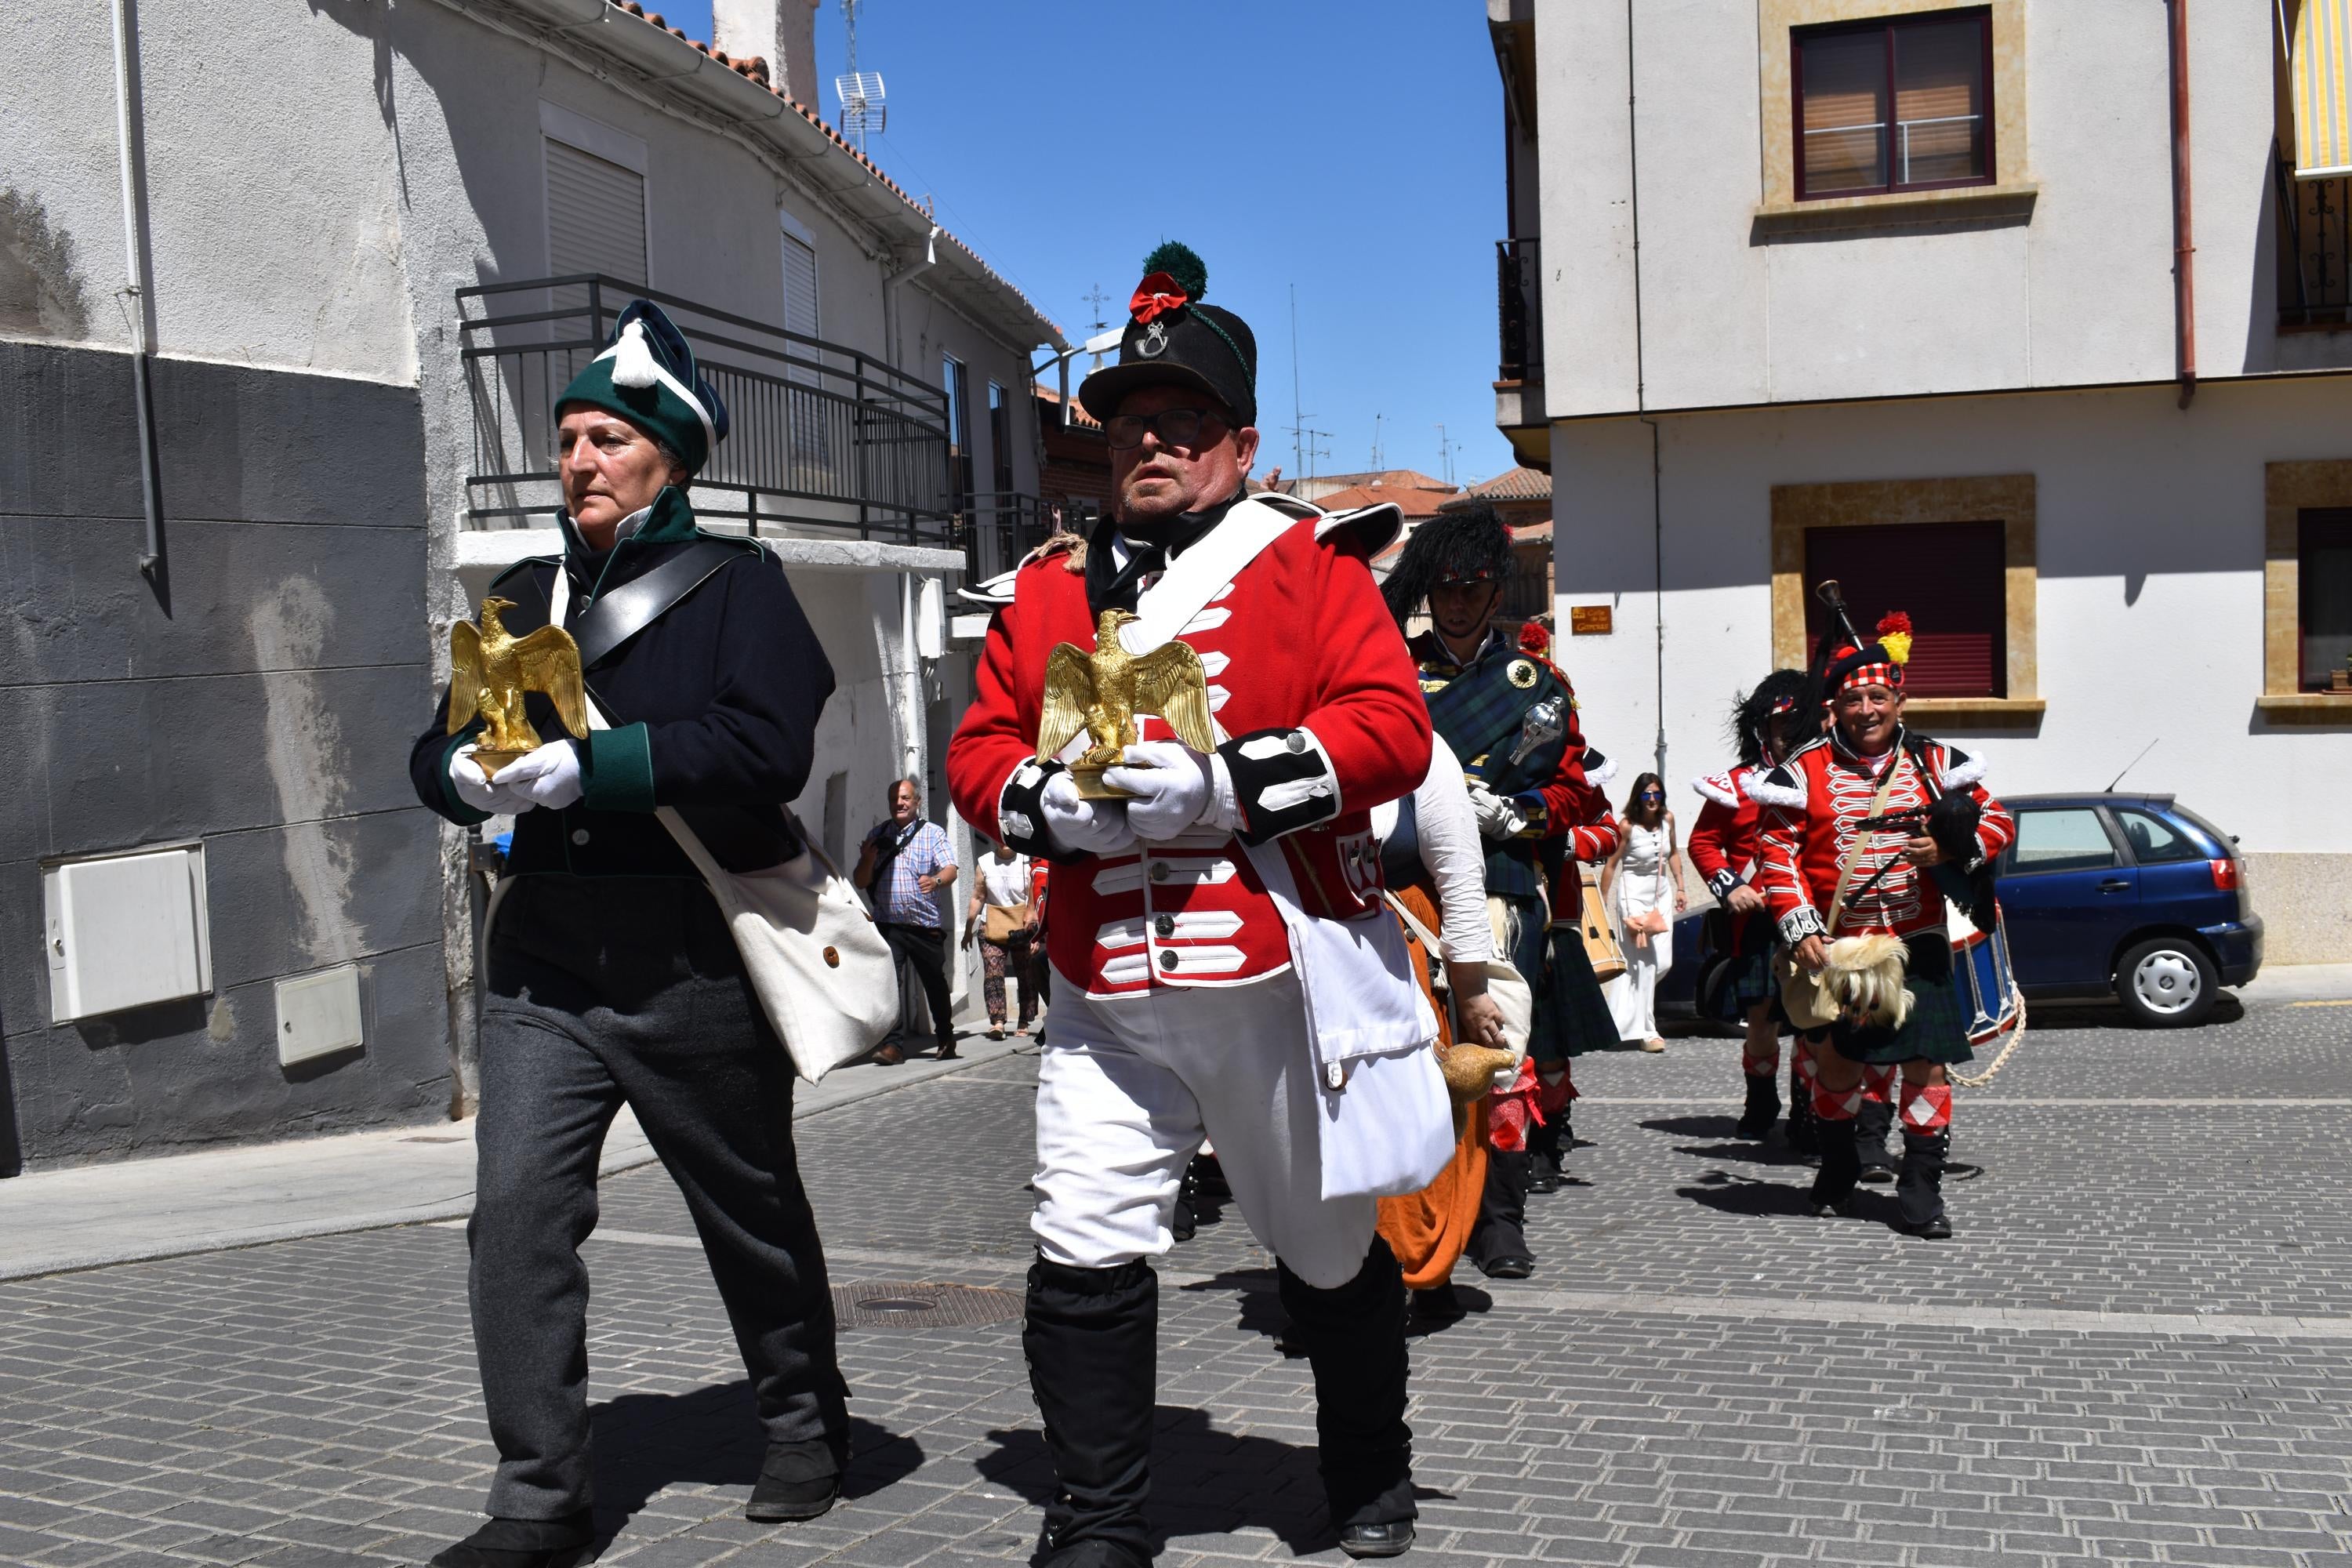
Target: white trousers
x,y
1128,1089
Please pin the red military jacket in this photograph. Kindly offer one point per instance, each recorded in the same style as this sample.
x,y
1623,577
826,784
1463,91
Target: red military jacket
x,y
1809,806
1723,839
1308,677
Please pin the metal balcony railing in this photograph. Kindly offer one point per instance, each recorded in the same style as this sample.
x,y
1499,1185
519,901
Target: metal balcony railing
x,y
996,529
825,441
2314,247
1519,277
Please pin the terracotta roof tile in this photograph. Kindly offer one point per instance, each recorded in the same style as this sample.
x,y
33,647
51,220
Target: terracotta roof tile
x,y
1412,501
1514,484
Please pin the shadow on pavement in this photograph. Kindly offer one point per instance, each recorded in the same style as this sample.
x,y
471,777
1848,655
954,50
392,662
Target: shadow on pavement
x,y
1259,1299
647,1442
1204,1482
1772,1150
1748,1196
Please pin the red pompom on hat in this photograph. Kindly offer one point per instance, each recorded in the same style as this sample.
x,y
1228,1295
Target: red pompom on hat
x,y
1534,639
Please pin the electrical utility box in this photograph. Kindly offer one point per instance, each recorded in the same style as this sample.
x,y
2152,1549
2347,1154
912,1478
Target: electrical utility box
x,y
319,1014
125,930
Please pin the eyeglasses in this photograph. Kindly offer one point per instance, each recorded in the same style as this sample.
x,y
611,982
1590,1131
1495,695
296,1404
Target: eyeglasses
x,y
1651,794
1174,427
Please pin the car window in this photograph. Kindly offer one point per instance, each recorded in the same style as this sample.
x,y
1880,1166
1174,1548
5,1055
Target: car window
x,y
2065,838
2153,840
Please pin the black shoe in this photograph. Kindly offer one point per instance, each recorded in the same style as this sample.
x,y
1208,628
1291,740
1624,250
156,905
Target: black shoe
x,y
522,1544
1843,1208
1439,1304
1510,1266
1763,1106
1543,1178
1936,1229
797,1480
1377,1539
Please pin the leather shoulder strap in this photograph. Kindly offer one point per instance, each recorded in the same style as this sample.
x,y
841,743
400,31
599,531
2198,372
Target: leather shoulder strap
x,y
636,604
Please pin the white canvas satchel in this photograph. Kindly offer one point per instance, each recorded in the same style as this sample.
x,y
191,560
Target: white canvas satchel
x,y
823,974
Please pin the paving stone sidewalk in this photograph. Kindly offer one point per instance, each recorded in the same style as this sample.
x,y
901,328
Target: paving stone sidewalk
x,y
2138,1350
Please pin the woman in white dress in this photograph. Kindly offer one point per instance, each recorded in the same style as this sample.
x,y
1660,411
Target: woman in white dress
x,y
1643,884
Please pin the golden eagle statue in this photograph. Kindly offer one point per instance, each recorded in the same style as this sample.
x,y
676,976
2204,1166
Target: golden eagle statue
x,y
1101,692
491,671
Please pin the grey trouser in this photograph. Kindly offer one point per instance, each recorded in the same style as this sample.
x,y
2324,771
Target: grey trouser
x,y
628,989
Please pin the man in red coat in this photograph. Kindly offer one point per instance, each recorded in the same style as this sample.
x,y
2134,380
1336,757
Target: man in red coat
x,y
1184,918
1826,878
1764,729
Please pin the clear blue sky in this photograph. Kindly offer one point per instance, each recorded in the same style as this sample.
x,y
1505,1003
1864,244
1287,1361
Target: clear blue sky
x,y
1353,149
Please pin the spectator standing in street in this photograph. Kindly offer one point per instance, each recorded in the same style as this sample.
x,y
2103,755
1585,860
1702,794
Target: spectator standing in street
x,y
613,978
1004,918
906,867
1640,876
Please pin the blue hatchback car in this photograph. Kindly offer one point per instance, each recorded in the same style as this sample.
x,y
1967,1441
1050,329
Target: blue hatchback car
x,y
2132,896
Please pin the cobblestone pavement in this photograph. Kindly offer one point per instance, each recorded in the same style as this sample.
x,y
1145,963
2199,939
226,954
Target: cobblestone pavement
x,y
2138,1350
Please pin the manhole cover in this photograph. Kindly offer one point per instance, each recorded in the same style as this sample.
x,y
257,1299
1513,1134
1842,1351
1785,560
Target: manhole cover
x,y
897,1306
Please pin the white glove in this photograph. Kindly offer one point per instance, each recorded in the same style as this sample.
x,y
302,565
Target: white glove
x,y
1174,786
1498,817
548,777
466,778
1086,826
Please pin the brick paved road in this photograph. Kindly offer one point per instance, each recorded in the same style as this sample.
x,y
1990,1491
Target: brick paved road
x,y
1697,1375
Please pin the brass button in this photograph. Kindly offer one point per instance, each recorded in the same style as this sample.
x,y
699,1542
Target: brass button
x,y
1159,870
833,958
1167,961
579,835
1165,925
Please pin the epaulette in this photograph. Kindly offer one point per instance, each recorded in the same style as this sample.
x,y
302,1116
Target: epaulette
x,y
1375,527
1073,545
1721,788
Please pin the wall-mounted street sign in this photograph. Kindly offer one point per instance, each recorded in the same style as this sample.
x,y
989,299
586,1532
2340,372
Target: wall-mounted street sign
x,y
1589,620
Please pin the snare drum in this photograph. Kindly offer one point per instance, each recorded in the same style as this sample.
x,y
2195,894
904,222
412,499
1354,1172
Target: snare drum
x,y
1981,972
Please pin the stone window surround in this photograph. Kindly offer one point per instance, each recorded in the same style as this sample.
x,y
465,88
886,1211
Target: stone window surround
x,y
2009,197
2008,499
2287,489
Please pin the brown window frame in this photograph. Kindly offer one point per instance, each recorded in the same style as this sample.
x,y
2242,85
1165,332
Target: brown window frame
x,y
1888,25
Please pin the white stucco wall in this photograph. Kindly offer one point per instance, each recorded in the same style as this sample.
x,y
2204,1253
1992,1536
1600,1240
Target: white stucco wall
x,y
2150,593
2080,294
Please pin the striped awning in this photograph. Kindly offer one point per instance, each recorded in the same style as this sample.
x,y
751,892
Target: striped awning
x,y
2322,109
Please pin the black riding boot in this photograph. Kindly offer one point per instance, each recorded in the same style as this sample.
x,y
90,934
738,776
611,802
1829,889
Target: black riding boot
x,y
1872,1122
1804,1126
1546,1167
1920,1191
1092,1339
1763,1106
1355,1342
1498,1243
1841,1167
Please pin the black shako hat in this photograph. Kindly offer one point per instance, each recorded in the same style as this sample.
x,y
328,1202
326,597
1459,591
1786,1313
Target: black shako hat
x,y
1172,338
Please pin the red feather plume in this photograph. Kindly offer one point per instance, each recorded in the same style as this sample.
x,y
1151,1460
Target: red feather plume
x,y
1893,621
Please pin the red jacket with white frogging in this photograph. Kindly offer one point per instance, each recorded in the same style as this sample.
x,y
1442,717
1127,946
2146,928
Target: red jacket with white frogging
x,y
1808,807
1723,839
1308,674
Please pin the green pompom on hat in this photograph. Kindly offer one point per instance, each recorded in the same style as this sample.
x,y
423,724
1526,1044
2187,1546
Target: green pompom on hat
x,y
647,375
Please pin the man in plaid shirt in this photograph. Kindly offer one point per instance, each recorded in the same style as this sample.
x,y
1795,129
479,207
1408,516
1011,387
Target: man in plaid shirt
x,y
905,866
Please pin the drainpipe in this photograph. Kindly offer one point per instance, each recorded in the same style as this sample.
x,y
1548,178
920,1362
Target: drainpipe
x,y
151,559
2184,250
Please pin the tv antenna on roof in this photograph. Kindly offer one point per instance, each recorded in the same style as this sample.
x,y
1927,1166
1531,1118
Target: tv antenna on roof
x,y
862,107
1097,299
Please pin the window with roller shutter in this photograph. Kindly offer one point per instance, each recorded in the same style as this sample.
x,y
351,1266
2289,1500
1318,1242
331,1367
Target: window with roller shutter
x,y
1950,577
1903,104
595,217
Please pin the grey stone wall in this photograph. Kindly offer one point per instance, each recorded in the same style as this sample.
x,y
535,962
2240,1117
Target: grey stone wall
x,y
262,701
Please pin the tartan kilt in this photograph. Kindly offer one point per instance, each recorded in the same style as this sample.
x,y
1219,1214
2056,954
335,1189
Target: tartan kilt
x,y
1747,980
1571,1015
1938,1029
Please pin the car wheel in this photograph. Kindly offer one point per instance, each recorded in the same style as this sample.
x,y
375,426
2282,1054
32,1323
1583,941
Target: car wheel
x,y
2166,983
